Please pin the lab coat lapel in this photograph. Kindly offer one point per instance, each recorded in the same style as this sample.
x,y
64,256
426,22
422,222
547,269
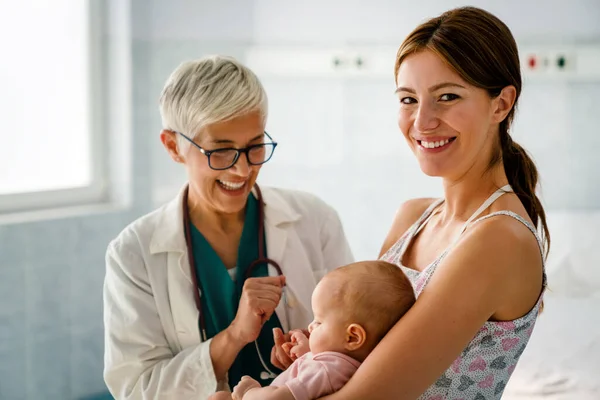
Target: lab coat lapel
x,y
281,237
276,241
169,239
181,295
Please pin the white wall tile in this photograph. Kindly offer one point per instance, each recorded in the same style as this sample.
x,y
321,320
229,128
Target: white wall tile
x,y
87,362
15,245
49,369
13,365
216,21
13,299
389,21
48,302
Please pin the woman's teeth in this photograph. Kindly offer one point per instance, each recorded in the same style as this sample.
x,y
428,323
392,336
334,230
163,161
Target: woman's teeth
x,y
433,145
232,185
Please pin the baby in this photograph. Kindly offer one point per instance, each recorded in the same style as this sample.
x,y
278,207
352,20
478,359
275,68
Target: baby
x,y
354,307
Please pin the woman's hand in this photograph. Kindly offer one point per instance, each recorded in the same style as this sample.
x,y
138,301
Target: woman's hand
x,y
241,388
281,356
259,298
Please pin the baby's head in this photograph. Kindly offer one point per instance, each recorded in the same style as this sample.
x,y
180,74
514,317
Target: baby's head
x,y
356,305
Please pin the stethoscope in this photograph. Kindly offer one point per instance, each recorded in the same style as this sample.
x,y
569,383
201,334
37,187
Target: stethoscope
x,y
267,373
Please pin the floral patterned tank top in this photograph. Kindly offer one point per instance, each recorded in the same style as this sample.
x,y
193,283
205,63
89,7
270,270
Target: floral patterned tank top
x,y
483,369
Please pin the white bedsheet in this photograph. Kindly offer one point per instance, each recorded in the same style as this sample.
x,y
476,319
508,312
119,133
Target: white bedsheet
x,y
562,360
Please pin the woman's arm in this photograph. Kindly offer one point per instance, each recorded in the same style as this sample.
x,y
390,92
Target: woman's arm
x,y
482,273
139,363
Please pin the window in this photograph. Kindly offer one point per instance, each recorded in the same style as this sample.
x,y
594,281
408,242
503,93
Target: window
x,y
50,147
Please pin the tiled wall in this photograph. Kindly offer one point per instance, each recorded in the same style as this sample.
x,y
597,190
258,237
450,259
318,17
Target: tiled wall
x,y
51,306
51,274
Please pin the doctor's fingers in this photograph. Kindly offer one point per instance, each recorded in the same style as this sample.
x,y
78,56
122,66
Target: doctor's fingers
x,y
251,295
274,359
264,307
279,358
266,290
287,347
272,281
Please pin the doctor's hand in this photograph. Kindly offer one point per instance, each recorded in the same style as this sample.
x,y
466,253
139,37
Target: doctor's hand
x,y
259,298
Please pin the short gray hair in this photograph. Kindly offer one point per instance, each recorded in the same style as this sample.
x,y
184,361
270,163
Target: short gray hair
x,y
209,90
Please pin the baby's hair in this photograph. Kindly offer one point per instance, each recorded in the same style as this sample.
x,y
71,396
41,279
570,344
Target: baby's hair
x,y
375,293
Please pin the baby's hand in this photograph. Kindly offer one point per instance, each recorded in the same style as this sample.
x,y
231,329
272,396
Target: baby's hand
x,y
241,388
287,347
300,345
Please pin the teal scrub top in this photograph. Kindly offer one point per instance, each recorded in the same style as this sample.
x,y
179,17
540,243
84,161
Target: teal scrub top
x,y
221,295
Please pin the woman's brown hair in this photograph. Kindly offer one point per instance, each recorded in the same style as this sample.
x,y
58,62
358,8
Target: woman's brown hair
x,y
483,51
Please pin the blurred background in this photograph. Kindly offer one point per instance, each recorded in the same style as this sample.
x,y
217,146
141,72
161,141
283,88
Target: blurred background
x,y
81,157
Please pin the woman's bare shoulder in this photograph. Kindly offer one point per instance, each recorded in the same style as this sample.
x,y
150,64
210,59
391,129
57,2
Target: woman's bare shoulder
x,y
406,215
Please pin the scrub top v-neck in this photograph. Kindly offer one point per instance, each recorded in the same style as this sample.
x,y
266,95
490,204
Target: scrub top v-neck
x,y
221,294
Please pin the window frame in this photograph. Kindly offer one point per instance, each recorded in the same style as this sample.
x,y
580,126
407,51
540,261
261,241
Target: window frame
x,y
97,191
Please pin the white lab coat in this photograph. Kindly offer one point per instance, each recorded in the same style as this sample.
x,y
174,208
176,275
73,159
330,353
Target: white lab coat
x,y
153,348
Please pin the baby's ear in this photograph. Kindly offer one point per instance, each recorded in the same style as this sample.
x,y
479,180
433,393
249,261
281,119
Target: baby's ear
x,y
356,337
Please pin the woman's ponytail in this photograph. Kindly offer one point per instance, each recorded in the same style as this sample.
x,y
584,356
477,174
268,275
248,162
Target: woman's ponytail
x,y
522,175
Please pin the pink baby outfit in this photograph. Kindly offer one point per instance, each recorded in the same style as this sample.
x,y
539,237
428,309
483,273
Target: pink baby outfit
x,y
482,371
316,375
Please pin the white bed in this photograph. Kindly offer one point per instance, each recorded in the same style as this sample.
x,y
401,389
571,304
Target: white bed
x,y
563,359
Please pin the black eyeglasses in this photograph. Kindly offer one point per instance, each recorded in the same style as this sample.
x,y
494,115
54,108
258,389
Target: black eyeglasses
x,y
220,159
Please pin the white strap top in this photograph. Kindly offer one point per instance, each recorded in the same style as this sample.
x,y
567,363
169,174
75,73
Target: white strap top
x,y
486,364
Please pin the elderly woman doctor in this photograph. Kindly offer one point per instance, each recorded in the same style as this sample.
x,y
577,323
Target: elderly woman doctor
x,y
195,290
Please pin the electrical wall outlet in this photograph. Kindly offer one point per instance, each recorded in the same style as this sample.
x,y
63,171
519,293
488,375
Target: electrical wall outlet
x,y
574,63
